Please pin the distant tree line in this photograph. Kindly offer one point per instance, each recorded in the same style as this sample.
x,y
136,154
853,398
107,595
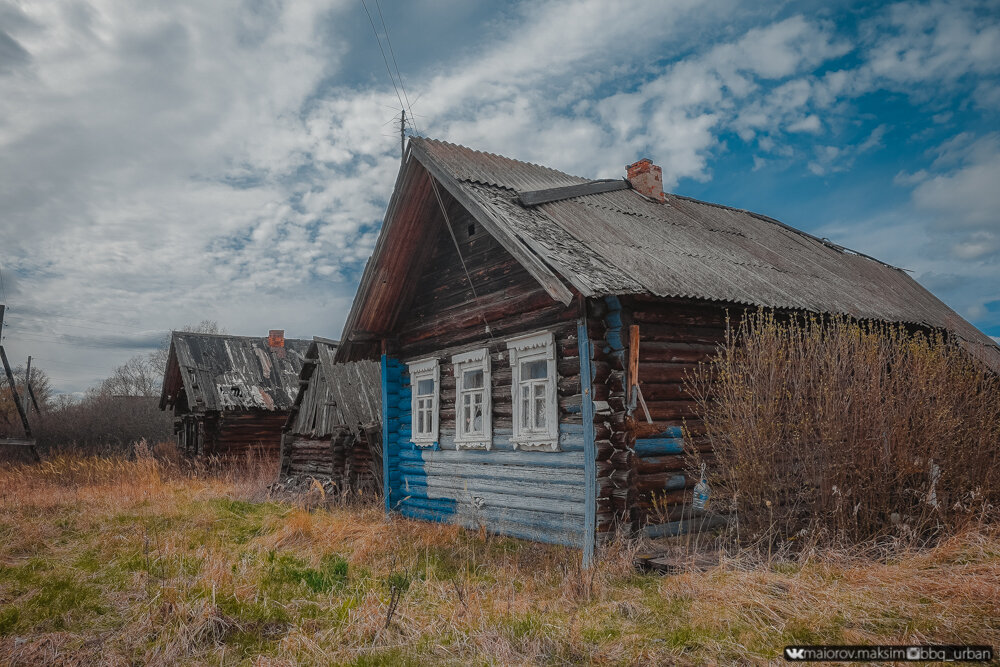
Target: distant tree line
x,y
121,410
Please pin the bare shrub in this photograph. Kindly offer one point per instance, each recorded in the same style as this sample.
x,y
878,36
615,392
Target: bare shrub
x,y
847,431
103,423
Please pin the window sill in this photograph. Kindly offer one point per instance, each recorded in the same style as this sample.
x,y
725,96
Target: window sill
x,y
424,444
473,444
547,444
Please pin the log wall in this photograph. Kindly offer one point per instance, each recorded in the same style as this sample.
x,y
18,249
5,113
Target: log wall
x,y
230,433
674,336
530,494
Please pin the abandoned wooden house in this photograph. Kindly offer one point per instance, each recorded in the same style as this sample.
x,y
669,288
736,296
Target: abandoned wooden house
x,y
334,428
230,394
518,310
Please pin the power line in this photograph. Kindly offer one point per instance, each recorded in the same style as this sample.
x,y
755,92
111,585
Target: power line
x,y
108,343
382,51
399,76
83,326
70,363
82,319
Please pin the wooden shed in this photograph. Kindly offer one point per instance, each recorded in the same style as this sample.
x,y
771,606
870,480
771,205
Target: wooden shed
x,y
501,299
334,428
230,394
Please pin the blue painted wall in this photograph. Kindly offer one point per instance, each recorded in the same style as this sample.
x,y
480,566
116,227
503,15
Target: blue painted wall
x,y
533,495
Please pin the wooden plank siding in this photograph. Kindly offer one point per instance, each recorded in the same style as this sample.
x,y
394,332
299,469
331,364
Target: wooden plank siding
x,y
529,494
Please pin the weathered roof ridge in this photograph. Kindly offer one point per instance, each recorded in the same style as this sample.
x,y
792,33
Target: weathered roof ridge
x,y
474,151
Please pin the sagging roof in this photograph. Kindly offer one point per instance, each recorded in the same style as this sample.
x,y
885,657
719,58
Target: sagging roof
x,y
222,372
618,242
333,395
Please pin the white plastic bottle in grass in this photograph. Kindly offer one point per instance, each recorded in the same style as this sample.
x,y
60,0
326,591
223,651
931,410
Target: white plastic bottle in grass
x,y
701,491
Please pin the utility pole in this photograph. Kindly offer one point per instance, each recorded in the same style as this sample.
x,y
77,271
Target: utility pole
x,y
29,392
27,383
28,441
402,135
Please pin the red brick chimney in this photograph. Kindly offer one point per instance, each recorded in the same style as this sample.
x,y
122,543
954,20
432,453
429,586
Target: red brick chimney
x,y
276,339
646,178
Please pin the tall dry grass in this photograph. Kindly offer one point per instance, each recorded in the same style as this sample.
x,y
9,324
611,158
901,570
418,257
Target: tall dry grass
x,y
144,561
832,431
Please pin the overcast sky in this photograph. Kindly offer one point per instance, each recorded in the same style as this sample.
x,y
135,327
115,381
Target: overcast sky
x,y
164,163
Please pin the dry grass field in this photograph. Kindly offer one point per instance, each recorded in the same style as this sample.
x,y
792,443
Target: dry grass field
x,y
123,562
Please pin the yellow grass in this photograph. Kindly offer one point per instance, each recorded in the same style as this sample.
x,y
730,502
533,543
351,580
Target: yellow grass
x,y
136,561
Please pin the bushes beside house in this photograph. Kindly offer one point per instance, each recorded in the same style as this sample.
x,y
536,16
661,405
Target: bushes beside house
x,y
835,430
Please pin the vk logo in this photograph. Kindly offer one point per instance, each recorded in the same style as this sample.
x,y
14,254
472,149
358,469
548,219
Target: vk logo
x,y
794,653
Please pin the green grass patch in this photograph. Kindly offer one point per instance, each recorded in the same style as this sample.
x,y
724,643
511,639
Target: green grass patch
x,y
285,570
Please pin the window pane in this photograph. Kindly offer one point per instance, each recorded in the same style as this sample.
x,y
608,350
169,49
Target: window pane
x,y
540,409
534,370
425,387
420,420
473,379
525,407
477,419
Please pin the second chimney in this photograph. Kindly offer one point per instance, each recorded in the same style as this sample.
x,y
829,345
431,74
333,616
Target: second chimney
x,y
646,178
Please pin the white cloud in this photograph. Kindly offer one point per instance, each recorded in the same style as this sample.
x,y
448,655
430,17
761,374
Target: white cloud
x,y
163,165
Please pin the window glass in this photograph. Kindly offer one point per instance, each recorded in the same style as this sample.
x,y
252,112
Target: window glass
x,y
539,406
473,379
534,370
425,387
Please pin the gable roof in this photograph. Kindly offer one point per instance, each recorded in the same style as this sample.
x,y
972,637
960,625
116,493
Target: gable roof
x,y
619,242
333,396
222,372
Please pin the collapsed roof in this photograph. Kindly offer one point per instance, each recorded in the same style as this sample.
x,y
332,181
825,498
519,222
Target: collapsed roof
x,y
222,372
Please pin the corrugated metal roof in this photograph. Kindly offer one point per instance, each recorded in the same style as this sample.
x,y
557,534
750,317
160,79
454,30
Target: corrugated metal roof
x,y
222,372
623,243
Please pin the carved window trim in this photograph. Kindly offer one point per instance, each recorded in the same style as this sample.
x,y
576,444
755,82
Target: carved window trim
x,y
539,346
425,369
472,361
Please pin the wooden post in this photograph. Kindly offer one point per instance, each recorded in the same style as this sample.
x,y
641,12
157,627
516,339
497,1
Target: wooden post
x,y
14,394
633,372
589,446
27,383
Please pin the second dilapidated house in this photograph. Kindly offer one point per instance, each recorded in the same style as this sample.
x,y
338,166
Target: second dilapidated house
x,y
230,394
334,428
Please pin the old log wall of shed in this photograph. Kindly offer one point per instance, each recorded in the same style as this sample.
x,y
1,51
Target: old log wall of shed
x,y
531,494
674,336
336,413
230,433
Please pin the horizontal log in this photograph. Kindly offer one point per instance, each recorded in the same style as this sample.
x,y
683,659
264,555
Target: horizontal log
x,y
664,482
671,351
681,334
659,391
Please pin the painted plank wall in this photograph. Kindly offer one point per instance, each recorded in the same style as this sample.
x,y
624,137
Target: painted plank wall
x,y
528,494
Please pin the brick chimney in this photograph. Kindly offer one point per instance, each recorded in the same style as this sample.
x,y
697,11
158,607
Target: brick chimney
x,y
276,338
646,178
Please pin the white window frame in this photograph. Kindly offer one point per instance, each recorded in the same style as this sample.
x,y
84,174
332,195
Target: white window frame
x,y
423,370
535,347
472,361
